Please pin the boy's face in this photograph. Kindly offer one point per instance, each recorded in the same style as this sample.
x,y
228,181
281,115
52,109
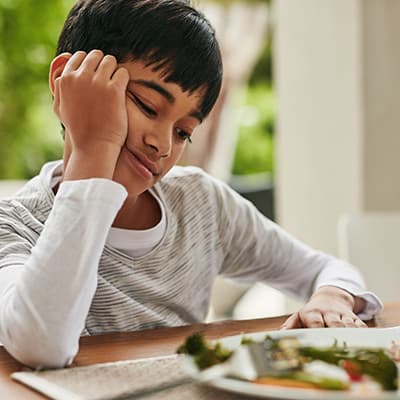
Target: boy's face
x,y
161,119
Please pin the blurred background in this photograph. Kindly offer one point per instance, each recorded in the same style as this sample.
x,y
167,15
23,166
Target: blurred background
x,y
29,133
306,127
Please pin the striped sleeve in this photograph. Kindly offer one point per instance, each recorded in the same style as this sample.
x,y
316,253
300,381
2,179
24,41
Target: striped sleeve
x,y
257,249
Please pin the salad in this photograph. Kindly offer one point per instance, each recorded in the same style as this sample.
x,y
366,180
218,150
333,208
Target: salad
x,y
286,362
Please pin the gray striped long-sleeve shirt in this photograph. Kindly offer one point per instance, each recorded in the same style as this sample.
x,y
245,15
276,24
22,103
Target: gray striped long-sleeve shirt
x,y
58,278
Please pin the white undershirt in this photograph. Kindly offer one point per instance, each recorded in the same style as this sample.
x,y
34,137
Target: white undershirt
x,y
135,243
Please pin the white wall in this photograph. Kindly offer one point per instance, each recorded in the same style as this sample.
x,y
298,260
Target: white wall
x,y
336,73
381,57
10,187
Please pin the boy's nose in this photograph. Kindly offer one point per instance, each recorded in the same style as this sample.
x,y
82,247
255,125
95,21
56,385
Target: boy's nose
x,y
160,143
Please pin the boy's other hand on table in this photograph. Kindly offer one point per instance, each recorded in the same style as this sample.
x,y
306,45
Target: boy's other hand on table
x,y
329,306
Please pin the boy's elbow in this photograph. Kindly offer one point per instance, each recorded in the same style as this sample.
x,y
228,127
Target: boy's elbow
x,y
42,360
40,356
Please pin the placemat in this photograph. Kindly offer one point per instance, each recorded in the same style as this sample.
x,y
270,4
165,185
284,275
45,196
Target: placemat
x,y
121,380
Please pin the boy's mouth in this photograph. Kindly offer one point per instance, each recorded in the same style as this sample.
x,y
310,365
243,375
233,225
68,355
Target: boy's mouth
x,y
145,161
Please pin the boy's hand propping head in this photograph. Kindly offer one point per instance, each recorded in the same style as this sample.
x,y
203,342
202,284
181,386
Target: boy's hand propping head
x,y
90,100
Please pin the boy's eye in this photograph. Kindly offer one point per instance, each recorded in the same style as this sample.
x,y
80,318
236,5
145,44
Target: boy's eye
x,y
184,135
148,110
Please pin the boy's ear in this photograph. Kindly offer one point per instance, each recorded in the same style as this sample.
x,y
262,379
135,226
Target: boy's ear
x,y
56,68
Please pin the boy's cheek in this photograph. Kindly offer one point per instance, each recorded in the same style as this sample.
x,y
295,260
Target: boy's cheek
x,y
137,122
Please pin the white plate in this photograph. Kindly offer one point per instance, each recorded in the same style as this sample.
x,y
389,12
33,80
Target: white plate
x,y
368,337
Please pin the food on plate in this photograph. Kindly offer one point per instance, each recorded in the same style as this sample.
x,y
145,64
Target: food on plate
x,y
394,350
205,354
286,362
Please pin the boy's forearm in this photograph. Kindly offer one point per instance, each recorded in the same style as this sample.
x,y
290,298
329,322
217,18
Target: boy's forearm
x,y
54,291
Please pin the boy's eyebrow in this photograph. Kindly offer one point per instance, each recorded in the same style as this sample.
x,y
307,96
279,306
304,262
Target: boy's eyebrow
x,y
166,94
158,88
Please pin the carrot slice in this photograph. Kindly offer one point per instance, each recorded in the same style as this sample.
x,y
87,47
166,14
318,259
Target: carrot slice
x,y
285,382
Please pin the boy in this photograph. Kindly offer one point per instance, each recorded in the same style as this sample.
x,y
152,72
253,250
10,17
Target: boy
x,y
105,240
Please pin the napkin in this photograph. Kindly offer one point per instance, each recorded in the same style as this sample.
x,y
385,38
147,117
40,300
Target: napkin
x,y
118,380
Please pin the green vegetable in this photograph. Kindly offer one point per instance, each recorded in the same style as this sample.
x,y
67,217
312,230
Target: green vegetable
x,y
194,344
205,355
372,362
246,340
321,382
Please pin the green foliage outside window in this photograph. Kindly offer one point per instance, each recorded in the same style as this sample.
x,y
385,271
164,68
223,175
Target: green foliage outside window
x,y
28,134
255,145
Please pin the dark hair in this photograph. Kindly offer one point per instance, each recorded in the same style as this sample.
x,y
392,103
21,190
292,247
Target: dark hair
x,y
169,35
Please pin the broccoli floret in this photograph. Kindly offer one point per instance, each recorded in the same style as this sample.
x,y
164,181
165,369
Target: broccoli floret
x,y
205,355
193,345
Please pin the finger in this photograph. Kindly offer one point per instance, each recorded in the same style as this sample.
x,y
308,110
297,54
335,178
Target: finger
x,y
92,60
349,321
334,320
107,66
313,320
360,324
74,62
292,322
121,77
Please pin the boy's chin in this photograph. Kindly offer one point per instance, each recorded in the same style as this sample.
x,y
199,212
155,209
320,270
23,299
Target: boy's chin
x,y
134,186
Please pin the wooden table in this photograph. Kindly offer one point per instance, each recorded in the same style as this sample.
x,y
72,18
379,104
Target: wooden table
x,y
153,343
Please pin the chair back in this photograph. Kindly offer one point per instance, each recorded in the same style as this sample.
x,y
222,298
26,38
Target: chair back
x,y
371,241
